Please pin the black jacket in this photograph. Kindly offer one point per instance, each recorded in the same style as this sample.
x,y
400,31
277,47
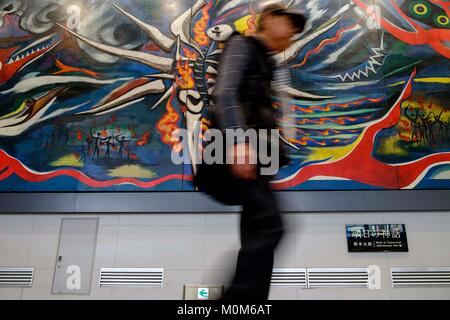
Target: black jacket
x,y
243,94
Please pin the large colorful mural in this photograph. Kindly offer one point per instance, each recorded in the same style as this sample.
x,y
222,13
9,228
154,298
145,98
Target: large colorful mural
x,y
91,92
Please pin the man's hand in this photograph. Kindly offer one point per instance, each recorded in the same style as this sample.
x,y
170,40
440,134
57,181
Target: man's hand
x,y
242,167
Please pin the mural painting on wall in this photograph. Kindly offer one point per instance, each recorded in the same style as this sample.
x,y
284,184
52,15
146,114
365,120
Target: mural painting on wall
x,y
92,90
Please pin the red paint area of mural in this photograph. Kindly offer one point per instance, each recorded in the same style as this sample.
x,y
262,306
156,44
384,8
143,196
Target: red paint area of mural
x,y
443,4
371,171
6,71
9,67
434,37
10,166
124,89
151,46
324,43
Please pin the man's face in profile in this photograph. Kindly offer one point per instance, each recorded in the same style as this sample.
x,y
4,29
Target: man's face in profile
x,y
280,30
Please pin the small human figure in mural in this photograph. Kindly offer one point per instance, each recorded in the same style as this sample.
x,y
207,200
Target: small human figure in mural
x,y
97,144
413,116
109,145
446,131
82,152
428,128
122,144
436,126
88,143
261,225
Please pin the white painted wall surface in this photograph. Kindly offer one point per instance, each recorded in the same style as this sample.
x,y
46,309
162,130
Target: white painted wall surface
x,y
202,248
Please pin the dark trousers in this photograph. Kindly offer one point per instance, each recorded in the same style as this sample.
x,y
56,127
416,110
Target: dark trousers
x,y
261,229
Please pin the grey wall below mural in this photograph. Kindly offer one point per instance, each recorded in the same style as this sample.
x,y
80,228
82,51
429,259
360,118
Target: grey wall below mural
x,y
201,248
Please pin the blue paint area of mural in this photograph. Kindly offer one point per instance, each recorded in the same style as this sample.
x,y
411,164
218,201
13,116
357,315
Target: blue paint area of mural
x,y
102,92
427,184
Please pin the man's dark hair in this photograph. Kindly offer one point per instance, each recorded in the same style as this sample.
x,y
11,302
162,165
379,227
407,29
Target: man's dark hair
x,y
297,18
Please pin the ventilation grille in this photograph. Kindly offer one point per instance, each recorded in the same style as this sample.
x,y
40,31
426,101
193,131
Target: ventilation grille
x,y
289,277
131,277
420,277
338,277
16,277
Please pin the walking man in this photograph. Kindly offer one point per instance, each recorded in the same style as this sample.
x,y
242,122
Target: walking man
x,y
242,98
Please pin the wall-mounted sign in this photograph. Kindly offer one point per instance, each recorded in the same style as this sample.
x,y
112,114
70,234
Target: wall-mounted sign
x,y
203,293
376,238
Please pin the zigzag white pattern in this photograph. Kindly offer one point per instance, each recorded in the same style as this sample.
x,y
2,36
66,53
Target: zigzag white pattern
x,y
371,67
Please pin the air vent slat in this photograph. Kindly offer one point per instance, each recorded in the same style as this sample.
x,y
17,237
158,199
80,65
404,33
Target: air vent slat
x,y
16,277
289,277
420,277
338,278
132,280
131,277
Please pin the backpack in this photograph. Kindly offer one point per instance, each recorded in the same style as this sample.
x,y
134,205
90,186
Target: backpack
x,y
216,180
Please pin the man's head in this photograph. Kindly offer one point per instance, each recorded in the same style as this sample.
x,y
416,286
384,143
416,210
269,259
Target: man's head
x,y
279,25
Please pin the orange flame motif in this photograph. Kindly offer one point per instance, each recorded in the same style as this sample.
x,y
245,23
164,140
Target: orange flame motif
x,y
200,26
404,123
67,69
168,123
326,132
304,141
311,109
251,23
144,140
132,131
190,54
185,79
206,124
104,133
328,107
405,138
79,135
340,120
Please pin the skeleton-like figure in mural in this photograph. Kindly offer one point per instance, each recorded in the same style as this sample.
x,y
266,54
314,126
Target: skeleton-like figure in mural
x,y
195,99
